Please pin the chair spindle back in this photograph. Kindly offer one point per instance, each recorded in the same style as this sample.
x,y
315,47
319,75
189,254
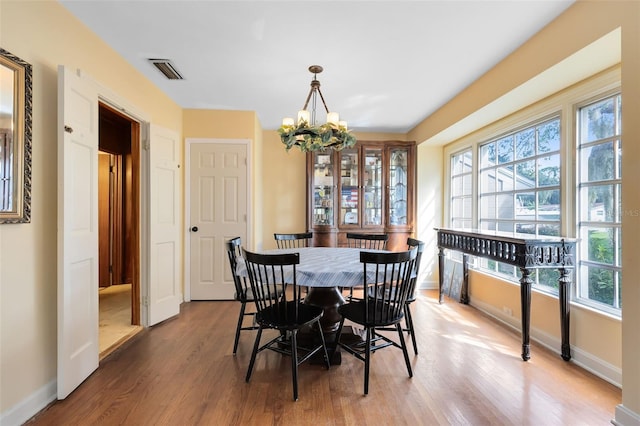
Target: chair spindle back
x,y
367,241
288,241
387,281
271,274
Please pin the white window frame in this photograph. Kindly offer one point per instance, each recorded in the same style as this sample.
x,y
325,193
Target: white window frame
x,y
581,293
563,103
465,196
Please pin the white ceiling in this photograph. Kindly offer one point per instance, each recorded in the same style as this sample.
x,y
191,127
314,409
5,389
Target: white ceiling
x,y
387,64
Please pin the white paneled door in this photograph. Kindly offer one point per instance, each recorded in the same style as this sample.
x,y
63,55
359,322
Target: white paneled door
x,y
218,211
161,247
165,287
77,230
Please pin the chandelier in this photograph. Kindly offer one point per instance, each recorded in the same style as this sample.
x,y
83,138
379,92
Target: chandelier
x,y
308,136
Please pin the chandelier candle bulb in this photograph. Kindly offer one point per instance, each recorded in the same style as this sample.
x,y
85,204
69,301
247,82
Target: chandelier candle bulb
x,y
333,117
342,124
303,116
287,121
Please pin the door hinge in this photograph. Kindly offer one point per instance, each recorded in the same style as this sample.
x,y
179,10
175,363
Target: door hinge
x,y
145,301
146,145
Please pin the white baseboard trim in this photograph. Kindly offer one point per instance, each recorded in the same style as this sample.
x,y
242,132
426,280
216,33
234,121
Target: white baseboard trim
x,y
428,285
586,360
625,417
30,406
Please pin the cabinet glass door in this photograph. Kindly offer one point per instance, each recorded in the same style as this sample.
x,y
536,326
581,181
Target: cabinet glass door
x,y
349,190
372,184
323,189
398,186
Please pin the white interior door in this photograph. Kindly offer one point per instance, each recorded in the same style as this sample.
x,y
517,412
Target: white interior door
x,y
165,289
77,230
218,210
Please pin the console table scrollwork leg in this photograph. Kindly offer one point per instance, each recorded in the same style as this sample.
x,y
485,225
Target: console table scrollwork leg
x,y
440,272
464,294
564,287
525,303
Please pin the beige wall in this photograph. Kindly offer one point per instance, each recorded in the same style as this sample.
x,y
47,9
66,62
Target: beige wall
x,y
285,177
45,35
220,124
429,209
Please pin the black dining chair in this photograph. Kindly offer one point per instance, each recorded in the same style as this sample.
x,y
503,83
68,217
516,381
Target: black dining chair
x,y
288,314
365,242
387,282
408,319
243,293
296,240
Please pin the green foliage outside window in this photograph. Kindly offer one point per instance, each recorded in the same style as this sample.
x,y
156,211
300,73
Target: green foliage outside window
x,y
601,281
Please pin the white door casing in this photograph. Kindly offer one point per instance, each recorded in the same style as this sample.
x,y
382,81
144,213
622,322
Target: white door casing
x,y
217,207
164,286
78,140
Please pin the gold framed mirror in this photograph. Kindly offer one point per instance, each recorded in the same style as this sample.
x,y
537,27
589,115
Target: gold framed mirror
x,y
15,139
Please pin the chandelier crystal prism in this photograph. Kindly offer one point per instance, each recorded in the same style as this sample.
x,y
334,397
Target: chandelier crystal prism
x,y
306,134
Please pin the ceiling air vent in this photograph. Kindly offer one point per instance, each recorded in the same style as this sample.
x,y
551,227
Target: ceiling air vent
x,y
166,67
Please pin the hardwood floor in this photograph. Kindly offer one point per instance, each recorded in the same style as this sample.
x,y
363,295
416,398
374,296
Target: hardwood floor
x,y
468,372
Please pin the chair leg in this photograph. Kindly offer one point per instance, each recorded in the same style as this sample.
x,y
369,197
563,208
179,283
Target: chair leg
x,y
256,344
339,332
409,321
240,318
324,346
294,363
404,349
367,360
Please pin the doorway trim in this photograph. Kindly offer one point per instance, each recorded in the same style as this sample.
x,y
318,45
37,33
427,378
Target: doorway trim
x,y
122,106
187,200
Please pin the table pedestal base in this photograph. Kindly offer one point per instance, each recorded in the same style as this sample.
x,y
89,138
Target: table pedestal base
x,y
330,299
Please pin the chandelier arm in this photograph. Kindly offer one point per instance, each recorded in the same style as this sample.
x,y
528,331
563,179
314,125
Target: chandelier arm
x,y
306,103
323,102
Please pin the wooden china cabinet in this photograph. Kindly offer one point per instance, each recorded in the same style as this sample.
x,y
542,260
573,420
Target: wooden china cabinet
x,y
369,188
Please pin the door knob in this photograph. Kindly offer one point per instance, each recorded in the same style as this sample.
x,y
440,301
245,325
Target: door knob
x,y
194,229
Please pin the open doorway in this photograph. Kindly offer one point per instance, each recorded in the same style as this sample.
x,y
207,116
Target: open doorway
x,y
118,223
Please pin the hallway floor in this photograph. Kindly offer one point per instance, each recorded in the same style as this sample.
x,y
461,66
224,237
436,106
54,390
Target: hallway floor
x,y
115,317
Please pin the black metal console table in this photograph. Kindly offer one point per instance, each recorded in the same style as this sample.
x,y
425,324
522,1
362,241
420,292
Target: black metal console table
x,y
525,251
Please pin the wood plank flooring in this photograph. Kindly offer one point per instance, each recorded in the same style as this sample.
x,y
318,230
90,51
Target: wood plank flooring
x,y
468,372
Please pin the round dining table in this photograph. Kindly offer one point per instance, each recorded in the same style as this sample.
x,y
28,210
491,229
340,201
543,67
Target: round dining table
x,y
324,270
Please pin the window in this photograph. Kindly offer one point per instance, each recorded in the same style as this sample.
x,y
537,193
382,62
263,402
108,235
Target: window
x,y
552,168
461,190
519,189
599,215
